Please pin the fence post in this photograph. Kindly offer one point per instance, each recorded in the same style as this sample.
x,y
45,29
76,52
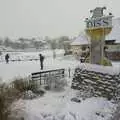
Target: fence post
x,y
63,73
40,78
44,79
69,72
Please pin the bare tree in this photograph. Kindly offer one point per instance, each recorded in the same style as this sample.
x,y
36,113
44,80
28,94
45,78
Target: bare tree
x,y
62,40
7,42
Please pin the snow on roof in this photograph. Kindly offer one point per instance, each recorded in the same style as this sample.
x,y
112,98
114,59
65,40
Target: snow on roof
x,y
115,33
81,40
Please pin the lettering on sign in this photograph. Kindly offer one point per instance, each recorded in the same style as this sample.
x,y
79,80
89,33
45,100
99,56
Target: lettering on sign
x,y
99,22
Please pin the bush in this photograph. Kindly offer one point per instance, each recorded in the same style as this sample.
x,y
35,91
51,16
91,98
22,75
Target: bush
x,y
23,84
7,96
39,91
106,62
56,83
3,104
29,95
61,83
87,60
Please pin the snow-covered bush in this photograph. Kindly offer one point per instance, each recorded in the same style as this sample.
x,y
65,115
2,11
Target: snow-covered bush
x,y
61,83
56,83
28,88
23,84
29,95
39,91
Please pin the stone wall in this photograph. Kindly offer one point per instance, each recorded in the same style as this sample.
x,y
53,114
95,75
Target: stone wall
x,y
103,84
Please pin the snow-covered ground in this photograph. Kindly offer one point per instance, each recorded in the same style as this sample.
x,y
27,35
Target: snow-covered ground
x,y
25,56
27,65
56,105
25,68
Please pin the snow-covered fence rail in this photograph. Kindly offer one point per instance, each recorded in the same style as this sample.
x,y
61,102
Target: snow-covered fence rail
x,y
45,76
14,60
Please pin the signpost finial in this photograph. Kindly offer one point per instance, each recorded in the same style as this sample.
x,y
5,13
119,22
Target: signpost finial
x,y
97,12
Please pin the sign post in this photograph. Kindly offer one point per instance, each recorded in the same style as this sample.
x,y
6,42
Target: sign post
x,y
97,27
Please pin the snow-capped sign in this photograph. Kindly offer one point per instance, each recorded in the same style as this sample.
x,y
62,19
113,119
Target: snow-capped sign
x,y
99,20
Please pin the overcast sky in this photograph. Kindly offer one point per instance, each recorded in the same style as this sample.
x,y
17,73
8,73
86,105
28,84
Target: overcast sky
x,y
31,18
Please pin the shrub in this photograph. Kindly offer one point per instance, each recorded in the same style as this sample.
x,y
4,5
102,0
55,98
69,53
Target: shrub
x,y
23,84
58,83
3,106
106,62
87,60
7,96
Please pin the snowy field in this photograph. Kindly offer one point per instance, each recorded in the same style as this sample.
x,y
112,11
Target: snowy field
x,y
24,63
25,68
56,105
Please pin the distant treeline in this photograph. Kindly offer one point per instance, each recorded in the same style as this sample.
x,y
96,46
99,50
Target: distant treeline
x,y
23,43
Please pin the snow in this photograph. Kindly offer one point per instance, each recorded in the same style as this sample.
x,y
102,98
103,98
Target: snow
x,y
57,105
60,105
81,40
115,69
25,68
30,55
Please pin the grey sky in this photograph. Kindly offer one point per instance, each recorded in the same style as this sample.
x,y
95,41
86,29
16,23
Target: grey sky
x,y
31,18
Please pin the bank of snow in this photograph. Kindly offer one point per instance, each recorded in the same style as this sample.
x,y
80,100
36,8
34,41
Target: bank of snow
x,y
112,70
58,106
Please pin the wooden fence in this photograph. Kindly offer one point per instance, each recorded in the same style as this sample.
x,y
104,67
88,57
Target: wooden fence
x,y
39,78
44,76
